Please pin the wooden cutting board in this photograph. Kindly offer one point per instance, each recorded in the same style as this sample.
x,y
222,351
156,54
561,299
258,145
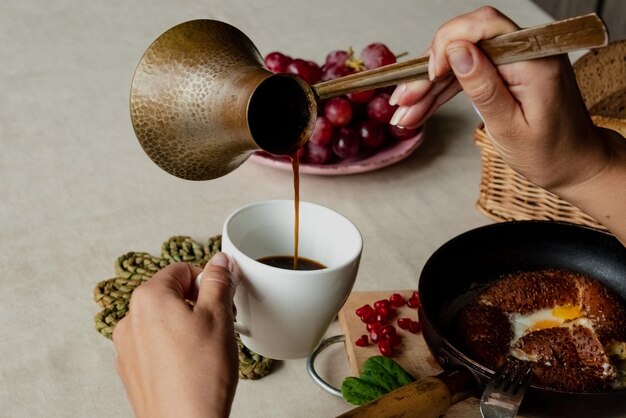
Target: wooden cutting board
x,y
413,356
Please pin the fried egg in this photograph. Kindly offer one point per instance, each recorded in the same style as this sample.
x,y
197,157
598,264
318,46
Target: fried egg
x,y
542,319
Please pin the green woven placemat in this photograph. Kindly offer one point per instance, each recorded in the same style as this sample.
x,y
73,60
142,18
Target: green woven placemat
x,y
134,268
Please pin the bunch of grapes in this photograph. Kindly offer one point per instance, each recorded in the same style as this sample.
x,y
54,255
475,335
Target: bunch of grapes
x,y
351,126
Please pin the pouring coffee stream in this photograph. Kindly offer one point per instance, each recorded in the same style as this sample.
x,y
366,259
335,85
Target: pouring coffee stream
x,y
201,101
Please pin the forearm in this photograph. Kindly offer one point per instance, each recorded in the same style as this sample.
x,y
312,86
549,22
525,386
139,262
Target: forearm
x,y
603,196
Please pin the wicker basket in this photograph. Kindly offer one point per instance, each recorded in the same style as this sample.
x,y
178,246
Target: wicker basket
x,y
506,195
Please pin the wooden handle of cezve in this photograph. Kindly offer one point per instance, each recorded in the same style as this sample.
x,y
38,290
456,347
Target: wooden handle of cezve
x,y
563,36
429,397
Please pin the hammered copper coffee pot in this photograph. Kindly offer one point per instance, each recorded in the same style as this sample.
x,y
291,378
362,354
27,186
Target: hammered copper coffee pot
x,y
201,101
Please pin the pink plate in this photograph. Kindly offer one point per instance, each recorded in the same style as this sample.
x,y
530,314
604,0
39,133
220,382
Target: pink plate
x,y
387,156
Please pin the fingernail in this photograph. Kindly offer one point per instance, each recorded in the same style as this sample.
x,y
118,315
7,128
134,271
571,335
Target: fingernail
x,y
221,260
398,115
461,60
431,66
198,281
393,100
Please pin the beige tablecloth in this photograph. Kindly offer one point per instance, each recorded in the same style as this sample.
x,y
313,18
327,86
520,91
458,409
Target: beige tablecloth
x,y
77,190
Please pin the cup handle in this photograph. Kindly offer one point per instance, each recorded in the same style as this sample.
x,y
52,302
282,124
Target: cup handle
x,y
239,327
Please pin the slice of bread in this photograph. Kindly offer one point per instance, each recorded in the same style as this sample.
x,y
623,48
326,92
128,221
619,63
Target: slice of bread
x,y
617,124
601,76
613,105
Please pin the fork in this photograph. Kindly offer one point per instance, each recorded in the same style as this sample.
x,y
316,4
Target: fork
x,y
504,393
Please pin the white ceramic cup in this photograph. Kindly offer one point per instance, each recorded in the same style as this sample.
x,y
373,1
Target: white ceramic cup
x,y
281,313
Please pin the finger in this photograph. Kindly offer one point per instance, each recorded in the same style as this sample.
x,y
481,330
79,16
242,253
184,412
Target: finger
x,y
445,96
407,94
218,283
411,110
176,278
413,116
483,23
452,90
482,83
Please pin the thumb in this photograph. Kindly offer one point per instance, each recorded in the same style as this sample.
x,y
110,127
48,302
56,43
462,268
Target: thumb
x,y
217,283
482,83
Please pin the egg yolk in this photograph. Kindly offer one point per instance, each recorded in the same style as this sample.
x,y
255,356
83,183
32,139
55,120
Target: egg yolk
x,y
546,323
567,312
559,315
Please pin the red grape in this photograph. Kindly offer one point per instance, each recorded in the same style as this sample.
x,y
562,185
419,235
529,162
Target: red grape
x,y
376,55
346,144
338,57
304,70
316,72
379,108
372,133
322,132
317,154
338,111
401,133
277,62
362,96
335,71
349,126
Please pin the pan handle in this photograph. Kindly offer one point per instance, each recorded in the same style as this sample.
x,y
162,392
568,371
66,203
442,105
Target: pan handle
x,y
429,397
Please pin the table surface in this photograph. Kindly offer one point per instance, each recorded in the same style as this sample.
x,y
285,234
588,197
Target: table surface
x,y
78,191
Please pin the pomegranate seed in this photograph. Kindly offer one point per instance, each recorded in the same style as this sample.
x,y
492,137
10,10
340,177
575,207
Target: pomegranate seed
x,y
395,341
362,341
363,310
388,331
374,326
384,311
404,323
383,303
415,327
382,318
397,300
414,302
375,335
416,294
386,349
369,317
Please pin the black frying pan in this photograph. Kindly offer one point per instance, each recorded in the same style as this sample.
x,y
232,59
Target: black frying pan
x,y
459,270
462,267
